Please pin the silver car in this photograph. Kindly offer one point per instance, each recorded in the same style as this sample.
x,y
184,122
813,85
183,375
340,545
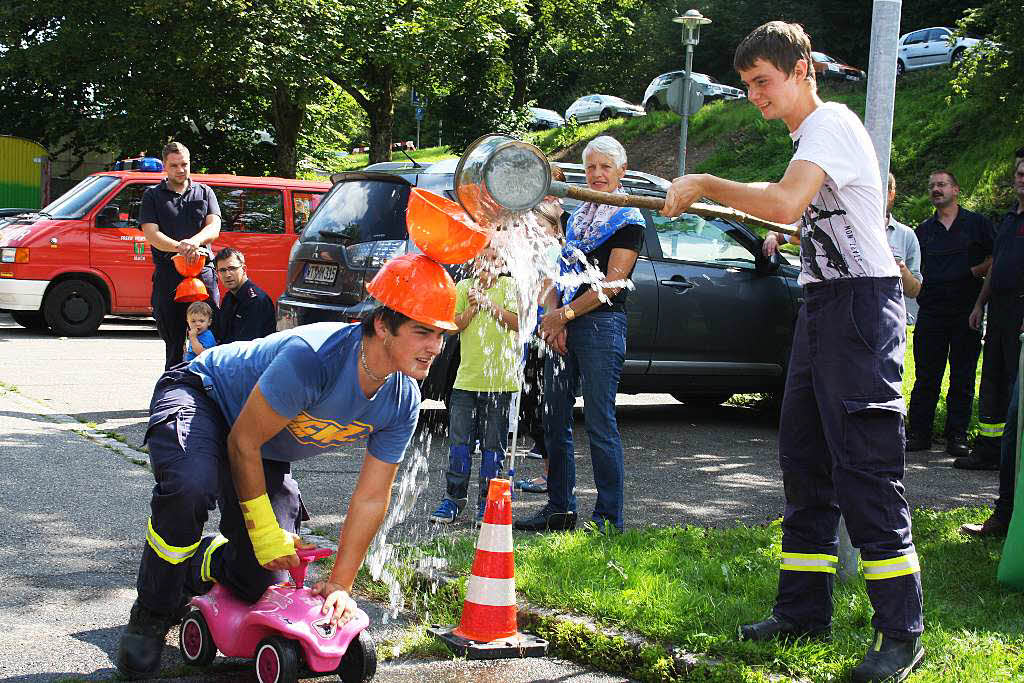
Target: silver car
x,y
934,46
601,108
543,119
656,95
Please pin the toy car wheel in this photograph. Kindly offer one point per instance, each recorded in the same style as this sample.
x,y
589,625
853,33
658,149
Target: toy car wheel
x,y
277,661
360,661
195,641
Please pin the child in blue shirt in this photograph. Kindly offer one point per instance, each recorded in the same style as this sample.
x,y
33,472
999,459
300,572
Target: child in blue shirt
x,y
199,317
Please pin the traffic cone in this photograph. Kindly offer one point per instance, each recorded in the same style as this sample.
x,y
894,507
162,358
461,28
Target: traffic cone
x,y
488,627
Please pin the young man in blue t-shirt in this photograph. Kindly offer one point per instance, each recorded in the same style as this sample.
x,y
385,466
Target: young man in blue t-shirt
x,y
225,428
841,427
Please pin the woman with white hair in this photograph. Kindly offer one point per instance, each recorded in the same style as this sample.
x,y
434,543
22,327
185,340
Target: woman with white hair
x,y
586,326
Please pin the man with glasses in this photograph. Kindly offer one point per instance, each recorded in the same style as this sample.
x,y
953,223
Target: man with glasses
x,y
246,312
956,252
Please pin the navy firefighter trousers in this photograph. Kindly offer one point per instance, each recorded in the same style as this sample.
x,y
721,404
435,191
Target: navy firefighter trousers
x,y
187,439
841,442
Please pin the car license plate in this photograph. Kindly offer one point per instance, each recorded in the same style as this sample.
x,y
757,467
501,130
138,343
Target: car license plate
x,y
320,273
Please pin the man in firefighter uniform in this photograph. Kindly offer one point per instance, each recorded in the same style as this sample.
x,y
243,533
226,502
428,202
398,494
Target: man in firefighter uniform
x,y
1003,292
841,426
226,427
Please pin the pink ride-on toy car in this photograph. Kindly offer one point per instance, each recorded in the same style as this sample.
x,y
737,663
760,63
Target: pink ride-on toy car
x,y
285,632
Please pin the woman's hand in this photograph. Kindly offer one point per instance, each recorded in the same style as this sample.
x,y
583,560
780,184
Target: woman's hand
x,y
771,244
552,326
336,598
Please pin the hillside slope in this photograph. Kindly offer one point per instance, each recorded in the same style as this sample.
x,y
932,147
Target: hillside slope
x,y
930,131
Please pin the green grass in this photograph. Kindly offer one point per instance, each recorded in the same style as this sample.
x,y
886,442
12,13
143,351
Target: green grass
x,y
690,587
357,161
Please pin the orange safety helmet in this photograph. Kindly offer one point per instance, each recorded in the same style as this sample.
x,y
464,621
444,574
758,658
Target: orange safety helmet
x,y
417,287
191,289
186,269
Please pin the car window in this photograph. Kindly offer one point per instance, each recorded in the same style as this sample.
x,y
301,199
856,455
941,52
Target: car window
x,y
250,209
128,202
303,204
938,35
916,37
80,199
361,211
694,238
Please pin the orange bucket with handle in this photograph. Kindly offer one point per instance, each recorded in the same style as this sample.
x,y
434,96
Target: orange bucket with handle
x,y
186,268
442,229
190,289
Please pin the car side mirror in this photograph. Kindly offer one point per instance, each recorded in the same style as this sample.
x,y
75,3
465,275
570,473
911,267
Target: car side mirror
x,y
107,217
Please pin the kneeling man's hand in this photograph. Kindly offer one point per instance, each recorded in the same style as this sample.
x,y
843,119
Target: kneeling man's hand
x,y
336,598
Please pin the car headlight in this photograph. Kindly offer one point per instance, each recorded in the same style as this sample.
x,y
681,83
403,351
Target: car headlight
x,y
14,255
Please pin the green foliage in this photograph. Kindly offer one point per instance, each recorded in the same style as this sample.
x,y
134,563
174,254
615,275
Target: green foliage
x,y
992,71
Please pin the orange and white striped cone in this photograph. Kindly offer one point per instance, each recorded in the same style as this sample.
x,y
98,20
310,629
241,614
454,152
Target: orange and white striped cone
x,y
488,628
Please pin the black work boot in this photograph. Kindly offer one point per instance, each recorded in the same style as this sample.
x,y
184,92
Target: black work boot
x,y
775,628
957,446
142,642
548,519
889,660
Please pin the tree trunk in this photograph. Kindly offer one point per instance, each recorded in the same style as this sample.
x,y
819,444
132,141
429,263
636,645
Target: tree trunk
x,y
381,111
286,116
523,59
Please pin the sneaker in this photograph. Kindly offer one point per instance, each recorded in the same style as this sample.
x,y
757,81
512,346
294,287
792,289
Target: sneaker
x,y
993,527
774,628
534,453
142,642
548,519
535,485
889,660
446,512
957,446
974,462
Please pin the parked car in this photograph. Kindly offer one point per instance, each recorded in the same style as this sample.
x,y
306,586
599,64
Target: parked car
x,y
709,317
84,256
830,69
591,108
543,119
934,46
656,95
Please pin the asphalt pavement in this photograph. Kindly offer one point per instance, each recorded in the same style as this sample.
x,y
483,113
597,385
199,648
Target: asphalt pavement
x,y
75,501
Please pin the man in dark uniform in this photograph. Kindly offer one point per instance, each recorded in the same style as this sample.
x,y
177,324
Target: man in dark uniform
x,y
178,216
998,522
1003,291
246,312
956,247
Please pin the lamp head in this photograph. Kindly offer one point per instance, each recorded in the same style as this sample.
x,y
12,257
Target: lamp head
x,y
692,20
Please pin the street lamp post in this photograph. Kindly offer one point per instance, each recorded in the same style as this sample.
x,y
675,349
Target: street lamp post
x,y
691,21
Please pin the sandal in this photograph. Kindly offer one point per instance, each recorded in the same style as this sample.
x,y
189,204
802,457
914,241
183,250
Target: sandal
x,y
535,485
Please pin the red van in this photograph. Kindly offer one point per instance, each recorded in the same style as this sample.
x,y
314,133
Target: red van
x,y
84,256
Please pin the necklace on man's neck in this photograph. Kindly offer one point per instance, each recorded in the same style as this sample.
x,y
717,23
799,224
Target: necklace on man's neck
x,y
366,368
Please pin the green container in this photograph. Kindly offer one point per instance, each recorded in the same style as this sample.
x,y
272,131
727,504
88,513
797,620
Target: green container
x,y
24,173
1011,566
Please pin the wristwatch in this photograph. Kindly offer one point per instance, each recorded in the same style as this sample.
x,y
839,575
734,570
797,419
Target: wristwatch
x,y
569,313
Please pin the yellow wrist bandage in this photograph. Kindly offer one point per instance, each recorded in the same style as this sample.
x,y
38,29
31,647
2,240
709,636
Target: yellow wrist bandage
x,y
269,540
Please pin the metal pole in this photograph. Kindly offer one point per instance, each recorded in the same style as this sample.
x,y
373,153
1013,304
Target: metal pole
x,y
685,123
885,34
417,133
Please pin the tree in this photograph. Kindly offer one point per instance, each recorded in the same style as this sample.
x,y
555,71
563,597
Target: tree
x,y
993,71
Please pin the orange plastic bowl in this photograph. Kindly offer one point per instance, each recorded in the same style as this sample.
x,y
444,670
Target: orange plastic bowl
x,y
189,290
442,229
186,269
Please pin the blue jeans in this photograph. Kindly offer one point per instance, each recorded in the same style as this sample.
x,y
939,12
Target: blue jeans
x,y
596,351
476,415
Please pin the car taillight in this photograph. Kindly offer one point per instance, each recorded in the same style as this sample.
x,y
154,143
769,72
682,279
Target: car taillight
x,y
384,251
14,255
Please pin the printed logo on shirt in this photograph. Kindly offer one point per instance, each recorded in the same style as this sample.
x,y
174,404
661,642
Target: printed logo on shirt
x,y
323,433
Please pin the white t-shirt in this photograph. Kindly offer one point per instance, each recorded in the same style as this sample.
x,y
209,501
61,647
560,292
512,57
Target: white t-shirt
x,y
843,231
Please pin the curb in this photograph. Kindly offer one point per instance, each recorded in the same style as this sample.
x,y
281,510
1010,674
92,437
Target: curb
x,y
581,639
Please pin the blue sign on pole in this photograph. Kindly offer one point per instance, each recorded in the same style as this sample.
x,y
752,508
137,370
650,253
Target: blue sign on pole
x,y
415,97
419,113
